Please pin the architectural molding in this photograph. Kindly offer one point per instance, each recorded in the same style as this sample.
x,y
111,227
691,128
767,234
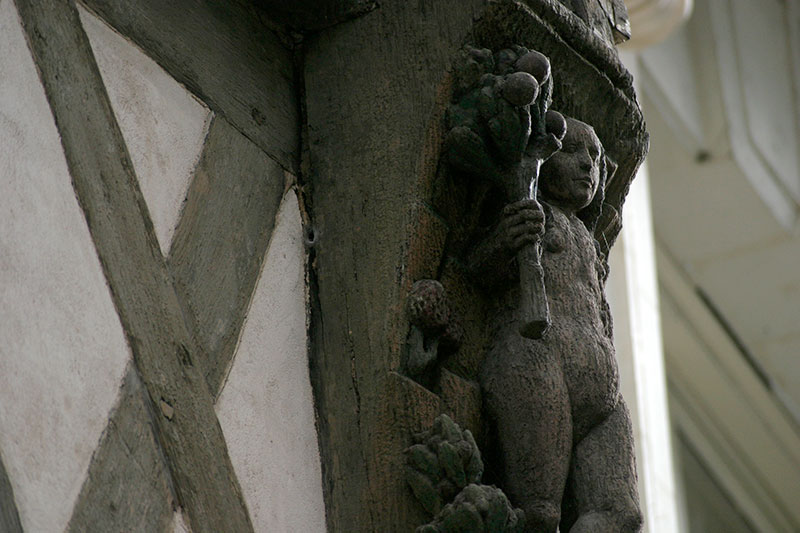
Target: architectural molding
x,y
652,21
768,177
727,413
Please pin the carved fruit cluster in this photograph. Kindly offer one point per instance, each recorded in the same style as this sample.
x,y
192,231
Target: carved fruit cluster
x,y
479,509
429,310
443,461
499,104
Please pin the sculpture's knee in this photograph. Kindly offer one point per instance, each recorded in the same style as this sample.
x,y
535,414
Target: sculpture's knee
x,y
632,520
628,520
542,517
629,516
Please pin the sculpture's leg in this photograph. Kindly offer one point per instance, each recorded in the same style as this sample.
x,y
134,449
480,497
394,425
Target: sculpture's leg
x,y
602,479
526,400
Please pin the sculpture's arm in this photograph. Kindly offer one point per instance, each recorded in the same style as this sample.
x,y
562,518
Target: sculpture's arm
x,y
492,259
602,277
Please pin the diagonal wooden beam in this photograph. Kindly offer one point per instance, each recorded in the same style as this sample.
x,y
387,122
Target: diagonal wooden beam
x,y
163,349
225,54
221,241
230,212
9,515
128,487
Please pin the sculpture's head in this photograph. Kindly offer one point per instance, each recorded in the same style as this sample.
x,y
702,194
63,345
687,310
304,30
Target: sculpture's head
x,y
576,175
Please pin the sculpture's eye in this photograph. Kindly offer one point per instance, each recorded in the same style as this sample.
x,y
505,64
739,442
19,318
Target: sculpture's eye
x,y
568,148
594,153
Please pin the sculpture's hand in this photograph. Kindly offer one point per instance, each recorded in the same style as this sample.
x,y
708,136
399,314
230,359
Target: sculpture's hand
x,y
522,224
542,146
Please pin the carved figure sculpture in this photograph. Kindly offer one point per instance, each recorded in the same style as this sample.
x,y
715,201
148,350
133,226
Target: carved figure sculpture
x,y
434,328
560,432
554,403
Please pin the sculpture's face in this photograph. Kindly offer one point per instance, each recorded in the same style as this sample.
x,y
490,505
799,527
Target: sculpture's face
x,y
571,177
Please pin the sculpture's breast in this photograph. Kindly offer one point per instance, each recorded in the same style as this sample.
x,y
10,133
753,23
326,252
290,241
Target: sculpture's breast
x,y
569,260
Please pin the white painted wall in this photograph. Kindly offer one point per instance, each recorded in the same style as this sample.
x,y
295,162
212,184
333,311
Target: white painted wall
x,y
266,407
163,125
62,348
180,523
633,296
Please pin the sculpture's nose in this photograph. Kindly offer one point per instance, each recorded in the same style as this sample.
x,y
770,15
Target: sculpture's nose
x,y
585,162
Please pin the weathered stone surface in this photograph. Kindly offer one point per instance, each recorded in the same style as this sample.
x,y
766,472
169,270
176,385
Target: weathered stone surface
x,y
229,213
499,133
142,290
478,509
128,487
444,469
434,330
442,462
553,404
580,35
224,55
608,18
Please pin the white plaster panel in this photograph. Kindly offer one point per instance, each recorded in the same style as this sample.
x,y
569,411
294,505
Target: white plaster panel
x,y
179,523
63,352
163,125
266,408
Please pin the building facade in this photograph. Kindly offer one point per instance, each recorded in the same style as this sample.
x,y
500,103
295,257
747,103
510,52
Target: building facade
x,y
212,217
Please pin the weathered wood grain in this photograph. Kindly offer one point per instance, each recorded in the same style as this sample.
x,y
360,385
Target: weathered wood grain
x,y
369,110
9,515
313,15
223,53
371,87
221,241
141,288
128,487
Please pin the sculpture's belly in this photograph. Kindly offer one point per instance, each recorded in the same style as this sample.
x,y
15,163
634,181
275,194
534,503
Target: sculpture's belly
x,y
575,346
589,369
